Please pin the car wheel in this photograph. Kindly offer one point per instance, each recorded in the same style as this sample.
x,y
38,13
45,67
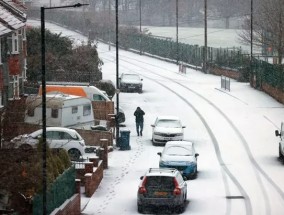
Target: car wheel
x,y
140,91
74,154
140,209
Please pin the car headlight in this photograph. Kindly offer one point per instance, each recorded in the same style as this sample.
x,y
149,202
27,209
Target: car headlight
x,y
190,163
162,163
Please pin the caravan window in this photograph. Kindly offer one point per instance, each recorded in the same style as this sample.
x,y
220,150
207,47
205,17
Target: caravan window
x,y
74,109
97,97
86,110
54,113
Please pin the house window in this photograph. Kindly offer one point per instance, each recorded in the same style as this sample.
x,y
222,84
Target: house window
x,y
24,33
54,113
15,43
24,75
74,109
86,110
14,87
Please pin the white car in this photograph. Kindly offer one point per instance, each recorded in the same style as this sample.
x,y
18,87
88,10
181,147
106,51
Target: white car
x,y
57,137
167,128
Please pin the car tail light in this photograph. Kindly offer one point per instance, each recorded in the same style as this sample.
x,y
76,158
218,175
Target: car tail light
x,y
177,190
142,189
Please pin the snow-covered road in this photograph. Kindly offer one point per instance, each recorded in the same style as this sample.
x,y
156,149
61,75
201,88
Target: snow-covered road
x,y
239,172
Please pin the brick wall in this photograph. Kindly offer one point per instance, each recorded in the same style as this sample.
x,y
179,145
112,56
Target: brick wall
x,y
228,73
273,92
71,206
92,138
93,180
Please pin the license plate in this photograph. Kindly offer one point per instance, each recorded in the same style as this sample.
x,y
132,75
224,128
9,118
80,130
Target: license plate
x,y
167,138
160,193
131,87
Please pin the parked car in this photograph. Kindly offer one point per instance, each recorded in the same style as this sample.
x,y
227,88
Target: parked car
x,y
130,82
162,187
56,137
180,155
167,128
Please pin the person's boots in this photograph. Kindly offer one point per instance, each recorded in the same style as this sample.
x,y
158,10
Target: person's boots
x,y
140,133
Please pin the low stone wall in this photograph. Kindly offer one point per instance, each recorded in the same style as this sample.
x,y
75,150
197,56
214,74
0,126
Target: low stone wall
x,y
92,138
71,206
228,73
93,179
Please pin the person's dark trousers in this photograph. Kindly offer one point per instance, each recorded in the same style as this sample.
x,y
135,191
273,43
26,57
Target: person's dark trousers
x,y
139,125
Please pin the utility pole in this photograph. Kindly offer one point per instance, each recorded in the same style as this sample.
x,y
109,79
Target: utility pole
x,y
205,38
140,23
251,38
177,54
109,28
117,70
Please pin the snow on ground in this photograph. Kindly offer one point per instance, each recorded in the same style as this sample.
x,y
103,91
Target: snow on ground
x,y
233,132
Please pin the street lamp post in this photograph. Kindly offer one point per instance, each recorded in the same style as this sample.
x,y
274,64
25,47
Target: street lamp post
x,y
42,18
177,54
140,29
251,38
205,38
117,70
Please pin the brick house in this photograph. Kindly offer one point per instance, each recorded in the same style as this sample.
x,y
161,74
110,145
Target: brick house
x,y
13,51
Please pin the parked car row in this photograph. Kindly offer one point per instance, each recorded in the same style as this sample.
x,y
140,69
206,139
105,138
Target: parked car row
x,y
166,186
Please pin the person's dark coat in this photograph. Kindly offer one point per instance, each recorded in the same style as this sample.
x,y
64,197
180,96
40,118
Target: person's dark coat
x,y
139,114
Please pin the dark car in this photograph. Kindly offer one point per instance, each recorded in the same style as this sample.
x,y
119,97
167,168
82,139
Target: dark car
x,y
162,187
130,83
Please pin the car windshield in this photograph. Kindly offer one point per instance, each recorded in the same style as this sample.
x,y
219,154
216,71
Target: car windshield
x,y
131,77
169,123
178,151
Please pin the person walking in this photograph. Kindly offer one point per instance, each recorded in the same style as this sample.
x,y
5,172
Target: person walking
x,y
139,119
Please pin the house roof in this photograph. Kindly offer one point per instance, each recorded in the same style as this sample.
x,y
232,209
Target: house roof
x,y
16,8
4,30
9,20
11,17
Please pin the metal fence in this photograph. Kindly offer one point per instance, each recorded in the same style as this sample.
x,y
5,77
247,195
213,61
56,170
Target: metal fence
x,y
227,58
59,191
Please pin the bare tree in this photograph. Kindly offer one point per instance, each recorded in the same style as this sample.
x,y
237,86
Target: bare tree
x,y
268,27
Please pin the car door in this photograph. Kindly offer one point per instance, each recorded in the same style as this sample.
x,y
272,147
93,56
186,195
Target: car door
x,y
282,131
53,139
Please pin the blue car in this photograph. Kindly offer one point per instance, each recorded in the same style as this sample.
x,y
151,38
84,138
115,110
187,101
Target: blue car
x,y
180,155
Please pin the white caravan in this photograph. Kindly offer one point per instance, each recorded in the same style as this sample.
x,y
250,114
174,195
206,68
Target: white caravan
x,y
62,110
